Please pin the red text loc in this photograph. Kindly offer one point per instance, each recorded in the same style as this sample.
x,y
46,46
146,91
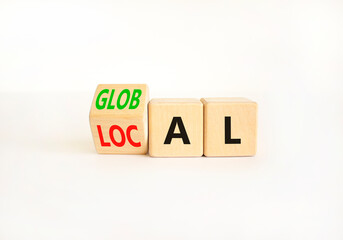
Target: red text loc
x,y
122,134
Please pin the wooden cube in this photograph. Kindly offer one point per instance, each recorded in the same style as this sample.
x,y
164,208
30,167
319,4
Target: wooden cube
x,y
230,127
118,118
175,128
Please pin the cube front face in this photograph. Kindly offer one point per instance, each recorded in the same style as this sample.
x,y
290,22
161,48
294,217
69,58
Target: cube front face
x,y
230,127
118,118
175,128
119,136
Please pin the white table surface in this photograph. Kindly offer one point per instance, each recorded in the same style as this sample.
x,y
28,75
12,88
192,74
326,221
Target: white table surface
x,y
55,186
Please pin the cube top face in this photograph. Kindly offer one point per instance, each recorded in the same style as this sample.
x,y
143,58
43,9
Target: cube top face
x,y
223,100
175,128
230,127
173,101
120,100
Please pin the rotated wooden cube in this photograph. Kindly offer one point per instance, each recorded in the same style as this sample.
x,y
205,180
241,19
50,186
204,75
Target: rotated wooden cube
x,y
230,127
175,128
118,118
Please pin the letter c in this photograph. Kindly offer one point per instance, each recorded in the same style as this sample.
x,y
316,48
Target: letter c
x,y
128,134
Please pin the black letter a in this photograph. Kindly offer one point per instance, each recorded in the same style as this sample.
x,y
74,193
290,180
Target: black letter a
x,y
228,139
182,134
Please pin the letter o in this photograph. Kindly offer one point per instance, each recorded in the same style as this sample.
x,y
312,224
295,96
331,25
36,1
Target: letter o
x,y
122,142
127,92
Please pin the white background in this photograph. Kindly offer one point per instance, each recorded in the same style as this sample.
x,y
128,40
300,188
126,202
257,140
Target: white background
x,y
286,55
